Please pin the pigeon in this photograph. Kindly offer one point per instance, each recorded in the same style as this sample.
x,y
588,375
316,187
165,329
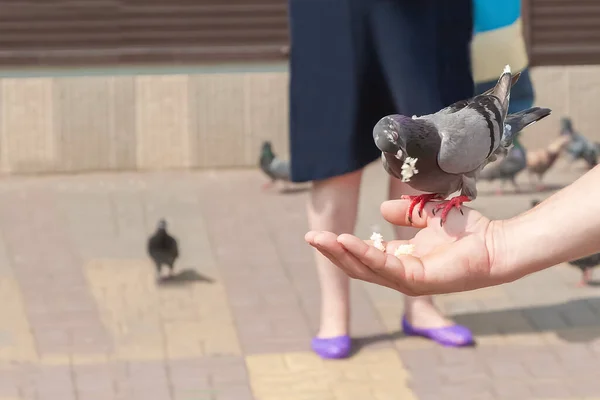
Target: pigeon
x,y
275,168
444,152
579,147
508,168
585,264
163,248
539,161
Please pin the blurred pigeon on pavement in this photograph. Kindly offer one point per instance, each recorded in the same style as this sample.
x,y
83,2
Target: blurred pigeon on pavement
x,y
579,147
163,249
508,168
275,168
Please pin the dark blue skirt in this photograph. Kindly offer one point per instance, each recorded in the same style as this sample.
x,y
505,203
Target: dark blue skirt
x,y
354,61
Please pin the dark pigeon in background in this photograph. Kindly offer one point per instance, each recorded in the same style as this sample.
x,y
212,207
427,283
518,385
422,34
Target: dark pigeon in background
x,y
275,168
506,169
163,249
579,147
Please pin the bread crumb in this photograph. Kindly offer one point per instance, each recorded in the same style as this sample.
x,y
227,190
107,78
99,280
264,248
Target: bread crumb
x,y
377,239
404,249
408,169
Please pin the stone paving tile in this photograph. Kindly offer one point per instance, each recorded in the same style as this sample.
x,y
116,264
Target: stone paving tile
x,y
150,322
16,340
251,316
60,310
203,378
262,296
298,260
374,374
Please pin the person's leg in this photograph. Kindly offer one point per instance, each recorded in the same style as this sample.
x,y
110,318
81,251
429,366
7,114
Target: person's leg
x,y
331,99
333,206
421,316
419,311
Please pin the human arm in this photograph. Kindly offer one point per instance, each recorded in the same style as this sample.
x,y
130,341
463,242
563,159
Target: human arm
x,y
471,251
564,227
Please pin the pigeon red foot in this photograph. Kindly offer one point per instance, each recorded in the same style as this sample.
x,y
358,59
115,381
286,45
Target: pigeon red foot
x,y
421,200
446,206
267,185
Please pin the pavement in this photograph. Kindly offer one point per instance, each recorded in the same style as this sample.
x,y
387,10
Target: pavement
x,y
81,316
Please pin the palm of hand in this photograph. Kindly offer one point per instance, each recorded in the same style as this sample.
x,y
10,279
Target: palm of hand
x,y
445,259
452,256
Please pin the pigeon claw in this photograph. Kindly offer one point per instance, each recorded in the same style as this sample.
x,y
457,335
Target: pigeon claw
x,y
267,185
586,277
446,206
421,200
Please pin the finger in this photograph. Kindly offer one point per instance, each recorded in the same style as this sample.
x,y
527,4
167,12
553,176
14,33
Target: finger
x,y
370,260
402,273
310,236
328,245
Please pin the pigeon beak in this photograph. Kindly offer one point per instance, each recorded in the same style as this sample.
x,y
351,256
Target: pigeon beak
x,y
399,154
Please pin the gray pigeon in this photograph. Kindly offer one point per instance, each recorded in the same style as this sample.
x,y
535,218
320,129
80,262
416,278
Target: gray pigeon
x,y
444,152
275,168
508,168
163,248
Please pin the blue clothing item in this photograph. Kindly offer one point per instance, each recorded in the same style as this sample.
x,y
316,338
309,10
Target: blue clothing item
x,y
494,14
353,62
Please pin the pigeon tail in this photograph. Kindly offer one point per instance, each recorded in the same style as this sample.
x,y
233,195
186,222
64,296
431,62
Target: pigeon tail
x,y
502,89
522,119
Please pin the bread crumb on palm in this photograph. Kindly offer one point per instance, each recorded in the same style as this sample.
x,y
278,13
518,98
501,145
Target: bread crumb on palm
x,y
404,249
377,239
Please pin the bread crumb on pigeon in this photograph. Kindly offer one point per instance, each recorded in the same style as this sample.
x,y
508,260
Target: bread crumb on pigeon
x,y
377,239
408,169
404,249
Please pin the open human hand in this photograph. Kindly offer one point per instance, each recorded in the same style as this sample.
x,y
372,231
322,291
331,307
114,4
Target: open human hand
x,y
464,254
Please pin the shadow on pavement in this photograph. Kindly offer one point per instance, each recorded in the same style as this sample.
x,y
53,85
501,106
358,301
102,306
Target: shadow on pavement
x,y
185,277
576,321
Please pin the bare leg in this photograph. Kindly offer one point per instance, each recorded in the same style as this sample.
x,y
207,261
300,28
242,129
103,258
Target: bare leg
x,y
540,185
419,311
515,185
333,206
586,277
158,271
267,185
530,177
500,189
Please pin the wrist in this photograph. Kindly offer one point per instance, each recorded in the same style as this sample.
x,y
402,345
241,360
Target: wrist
x,y
516,250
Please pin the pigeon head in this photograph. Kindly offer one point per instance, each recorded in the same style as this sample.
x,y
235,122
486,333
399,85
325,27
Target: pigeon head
x,y
267,147
566,126
395,134
162,225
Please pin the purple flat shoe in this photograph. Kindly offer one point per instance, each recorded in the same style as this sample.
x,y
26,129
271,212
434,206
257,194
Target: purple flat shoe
x,y
451,336
334,347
